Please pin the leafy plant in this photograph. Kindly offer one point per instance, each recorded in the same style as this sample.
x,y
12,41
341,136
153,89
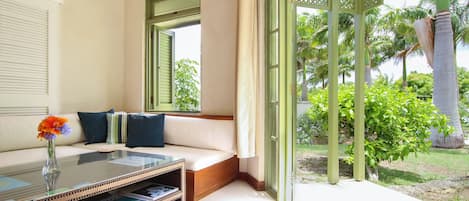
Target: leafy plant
x,y
187,85
463,82
396,123
307,130
422,85
384,80
419,83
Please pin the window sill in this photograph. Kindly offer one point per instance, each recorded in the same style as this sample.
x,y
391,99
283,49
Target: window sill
x,y
195,115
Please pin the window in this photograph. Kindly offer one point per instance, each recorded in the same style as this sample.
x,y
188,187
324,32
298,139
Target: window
x,y
173,58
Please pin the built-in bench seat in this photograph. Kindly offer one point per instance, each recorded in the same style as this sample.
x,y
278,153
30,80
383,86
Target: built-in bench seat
x,y
196,158
207,145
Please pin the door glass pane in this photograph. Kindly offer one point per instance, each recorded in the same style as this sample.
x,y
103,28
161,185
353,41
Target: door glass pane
x,y
273,15
275,155
273,48
272,76
273,85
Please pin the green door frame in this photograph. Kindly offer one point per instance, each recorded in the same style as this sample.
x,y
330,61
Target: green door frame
x,y
287,99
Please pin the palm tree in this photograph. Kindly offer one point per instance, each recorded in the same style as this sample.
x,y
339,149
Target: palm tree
x,y
346,60
399,23
311,37
445,88
450,29
378,45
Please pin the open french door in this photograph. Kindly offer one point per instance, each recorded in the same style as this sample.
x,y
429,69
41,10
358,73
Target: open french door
x,y
280,116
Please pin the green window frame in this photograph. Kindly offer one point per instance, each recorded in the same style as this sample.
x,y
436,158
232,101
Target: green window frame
x,y
160,50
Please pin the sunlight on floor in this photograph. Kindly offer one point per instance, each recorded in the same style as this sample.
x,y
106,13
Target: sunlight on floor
x,y
348,190
345,190
238,191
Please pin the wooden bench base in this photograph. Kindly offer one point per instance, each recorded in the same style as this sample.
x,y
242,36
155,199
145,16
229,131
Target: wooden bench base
x,y
203,182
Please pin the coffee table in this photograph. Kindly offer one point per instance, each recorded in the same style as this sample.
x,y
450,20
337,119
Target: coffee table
x,y
92,175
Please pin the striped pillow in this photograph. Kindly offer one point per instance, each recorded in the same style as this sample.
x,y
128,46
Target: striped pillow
x,y
116,127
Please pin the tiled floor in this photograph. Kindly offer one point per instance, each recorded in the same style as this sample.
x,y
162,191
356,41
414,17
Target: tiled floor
x,y
345,190
348,190
238,191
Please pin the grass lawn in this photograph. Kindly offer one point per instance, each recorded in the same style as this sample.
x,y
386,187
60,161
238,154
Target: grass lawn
x,y
318,149
437,164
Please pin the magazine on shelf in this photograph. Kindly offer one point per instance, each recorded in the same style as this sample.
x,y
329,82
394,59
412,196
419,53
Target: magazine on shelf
x,y
151,191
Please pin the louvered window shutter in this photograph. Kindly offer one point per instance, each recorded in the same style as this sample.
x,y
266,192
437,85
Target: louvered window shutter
x,y
161,71
166,69
24,59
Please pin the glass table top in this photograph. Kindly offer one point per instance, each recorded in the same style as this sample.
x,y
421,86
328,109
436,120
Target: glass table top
x,y
25,182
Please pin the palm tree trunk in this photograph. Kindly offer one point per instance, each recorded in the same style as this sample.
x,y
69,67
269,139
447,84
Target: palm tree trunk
x,y
304,85
445,93
304,91
343,78
368,75
404,72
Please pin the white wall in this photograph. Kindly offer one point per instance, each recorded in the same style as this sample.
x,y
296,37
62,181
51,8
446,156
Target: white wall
x,y
91,66
219,25
134,55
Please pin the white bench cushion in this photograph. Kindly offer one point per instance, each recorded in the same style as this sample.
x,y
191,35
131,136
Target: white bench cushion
x,y
37,154
196,159
200,133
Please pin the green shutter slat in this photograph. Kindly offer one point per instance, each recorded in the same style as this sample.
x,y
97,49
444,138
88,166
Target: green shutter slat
x,y
166,68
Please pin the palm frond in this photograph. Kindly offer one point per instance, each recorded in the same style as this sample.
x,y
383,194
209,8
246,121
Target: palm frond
x,y
425,35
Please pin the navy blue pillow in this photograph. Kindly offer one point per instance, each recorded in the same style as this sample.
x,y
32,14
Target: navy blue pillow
x,y
94,126
145,131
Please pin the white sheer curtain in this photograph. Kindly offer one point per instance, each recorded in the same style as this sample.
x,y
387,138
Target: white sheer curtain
x,y
249,92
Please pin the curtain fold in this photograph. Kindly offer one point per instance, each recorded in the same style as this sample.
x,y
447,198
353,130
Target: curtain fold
x,y
248,72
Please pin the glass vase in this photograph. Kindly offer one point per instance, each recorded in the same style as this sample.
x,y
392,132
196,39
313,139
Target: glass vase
x,y
51,170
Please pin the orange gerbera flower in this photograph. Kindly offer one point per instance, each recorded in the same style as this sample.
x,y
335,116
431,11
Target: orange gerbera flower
x,y
51,126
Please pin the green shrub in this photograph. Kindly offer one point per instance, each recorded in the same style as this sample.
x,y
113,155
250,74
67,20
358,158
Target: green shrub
x,y
385,80
422,83
307,129
419,83
396,123
463,82
187,85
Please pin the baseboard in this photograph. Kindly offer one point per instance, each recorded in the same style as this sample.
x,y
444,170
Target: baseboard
x,y
257,185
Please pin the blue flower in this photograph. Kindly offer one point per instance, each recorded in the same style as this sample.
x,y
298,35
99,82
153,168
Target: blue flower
x,y
49,136
66,129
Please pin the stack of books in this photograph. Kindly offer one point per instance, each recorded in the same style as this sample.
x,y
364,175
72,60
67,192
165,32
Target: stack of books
x,y
149,191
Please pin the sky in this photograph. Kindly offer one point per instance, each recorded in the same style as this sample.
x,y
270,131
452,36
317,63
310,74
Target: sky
x,y
187,42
